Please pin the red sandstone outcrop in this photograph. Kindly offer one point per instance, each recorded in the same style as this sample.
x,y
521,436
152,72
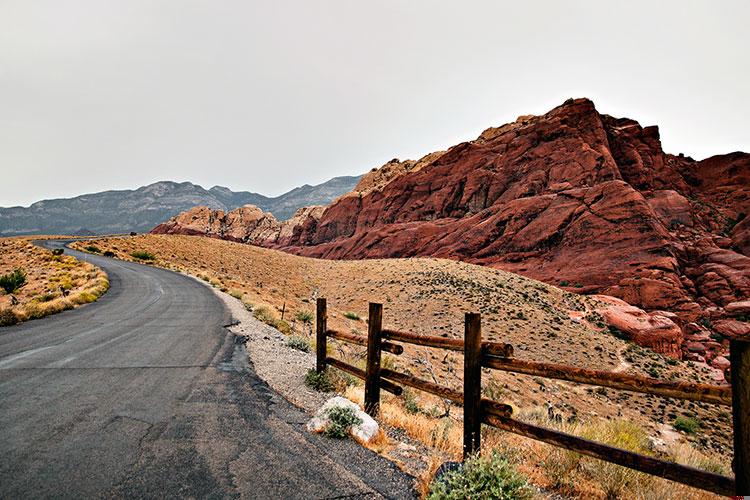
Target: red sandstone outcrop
x,y
656,330
572,197
247,224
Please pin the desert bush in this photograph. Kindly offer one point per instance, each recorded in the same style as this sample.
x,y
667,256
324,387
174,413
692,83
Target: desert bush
x,y
109,253
264,314
237,294
686,424
304,317
12,281
283,327
8,317
142,255
58,251
298,343
351,315
93,249
341,420
411,403
479,477
45,297
318,381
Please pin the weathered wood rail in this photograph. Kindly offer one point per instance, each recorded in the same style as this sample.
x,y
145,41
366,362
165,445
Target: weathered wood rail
x,y
480,354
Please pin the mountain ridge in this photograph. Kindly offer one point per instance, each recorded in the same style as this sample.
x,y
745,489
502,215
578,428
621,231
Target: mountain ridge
x,y
140,209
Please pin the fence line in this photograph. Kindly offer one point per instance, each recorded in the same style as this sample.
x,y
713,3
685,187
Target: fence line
x,y
478,410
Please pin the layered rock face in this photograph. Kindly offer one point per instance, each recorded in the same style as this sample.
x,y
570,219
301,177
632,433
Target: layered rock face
x,y
574,198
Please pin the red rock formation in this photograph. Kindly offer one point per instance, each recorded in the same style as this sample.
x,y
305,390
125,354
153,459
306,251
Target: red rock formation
x,y
247,224
572,197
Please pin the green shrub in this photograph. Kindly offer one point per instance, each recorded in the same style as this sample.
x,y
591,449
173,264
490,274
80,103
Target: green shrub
x,y
686,424
93,249
304,317
318,381
411,404
12,281
8,317
142,255
58,251
481,478
351,315
298,343
341,420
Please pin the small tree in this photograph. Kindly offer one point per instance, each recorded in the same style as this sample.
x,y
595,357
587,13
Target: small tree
x,y
12,281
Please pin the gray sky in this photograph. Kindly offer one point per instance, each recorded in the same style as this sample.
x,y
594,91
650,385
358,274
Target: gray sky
x,y
265,96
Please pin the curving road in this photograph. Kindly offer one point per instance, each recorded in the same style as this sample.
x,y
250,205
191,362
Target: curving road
x,y
145,394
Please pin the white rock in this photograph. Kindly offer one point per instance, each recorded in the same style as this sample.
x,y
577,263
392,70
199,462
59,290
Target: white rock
x,y
363,432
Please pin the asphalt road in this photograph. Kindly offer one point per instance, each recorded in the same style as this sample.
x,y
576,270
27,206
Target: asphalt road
x,y
145,394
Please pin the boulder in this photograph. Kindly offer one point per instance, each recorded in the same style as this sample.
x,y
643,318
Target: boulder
x,y
646,329
738,308
733,329
364,432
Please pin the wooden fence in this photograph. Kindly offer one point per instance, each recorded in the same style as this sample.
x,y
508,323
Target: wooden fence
x,y
478,410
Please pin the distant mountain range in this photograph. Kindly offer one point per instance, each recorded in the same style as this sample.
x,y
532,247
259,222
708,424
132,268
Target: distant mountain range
x,y
141,209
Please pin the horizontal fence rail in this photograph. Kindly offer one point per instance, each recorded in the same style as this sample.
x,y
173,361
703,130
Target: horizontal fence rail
x,y
680,390
478,410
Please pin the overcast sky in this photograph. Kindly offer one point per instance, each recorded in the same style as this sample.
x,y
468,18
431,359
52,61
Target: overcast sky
x,y
266,96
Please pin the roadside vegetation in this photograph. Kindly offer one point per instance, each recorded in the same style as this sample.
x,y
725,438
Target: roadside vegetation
x,y
35,282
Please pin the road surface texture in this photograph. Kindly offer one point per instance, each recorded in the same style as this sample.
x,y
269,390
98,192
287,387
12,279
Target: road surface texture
x,y
146,394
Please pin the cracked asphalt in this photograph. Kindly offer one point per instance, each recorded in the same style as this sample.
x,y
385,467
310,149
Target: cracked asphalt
x,y
146,394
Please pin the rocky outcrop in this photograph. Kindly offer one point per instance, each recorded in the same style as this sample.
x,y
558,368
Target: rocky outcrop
x,y
574,198
248,224
656,330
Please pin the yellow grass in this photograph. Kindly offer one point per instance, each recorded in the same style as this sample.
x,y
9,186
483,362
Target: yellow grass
x,y
54,283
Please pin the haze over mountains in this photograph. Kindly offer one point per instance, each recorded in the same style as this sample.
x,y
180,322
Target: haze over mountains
x,y
139,210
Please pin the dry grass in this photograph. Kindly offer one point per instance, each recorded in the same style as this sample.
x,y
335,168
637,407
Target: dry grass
x,y
430,296
54,282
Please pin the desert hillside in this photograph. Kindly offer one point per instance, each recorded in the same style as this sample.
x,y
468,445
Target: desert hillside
x,y
430,296
574,198
37,282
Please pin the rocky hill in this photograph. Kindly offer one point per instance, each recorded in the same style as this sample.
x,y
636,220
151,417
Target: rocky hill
x,y
141,209
575,198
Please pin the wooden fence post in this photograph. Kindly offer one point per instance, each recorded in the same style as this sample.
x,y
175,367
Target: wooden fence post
x,y
321,347
472,383
739,355
372,373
